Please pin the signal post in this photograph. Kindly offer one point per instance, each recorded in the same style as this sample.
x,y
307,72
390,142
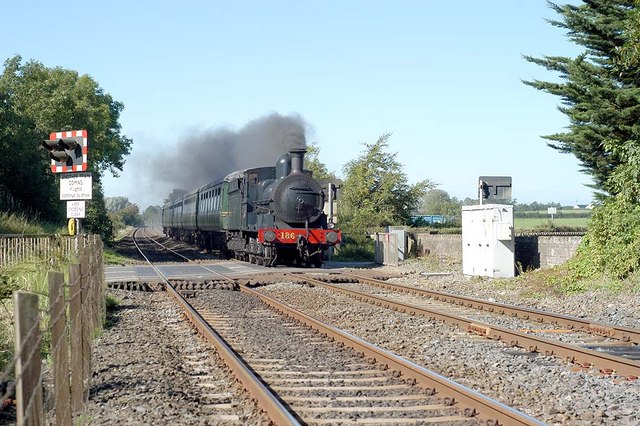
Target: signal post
x,y
68,151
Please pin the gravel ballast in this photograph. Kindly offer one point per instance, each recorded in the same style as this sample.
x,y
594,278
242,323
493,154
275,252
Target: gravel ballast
x,y
144,364
150,367
544,387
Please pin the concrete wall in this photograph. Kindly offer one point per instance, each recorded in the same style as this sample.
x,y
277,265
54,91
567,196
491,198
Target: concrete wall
x,y
531,251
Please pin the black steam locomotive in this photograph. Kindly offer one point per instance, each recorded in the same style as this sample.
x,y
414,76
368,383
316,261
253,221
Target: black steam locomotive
x,y
265,215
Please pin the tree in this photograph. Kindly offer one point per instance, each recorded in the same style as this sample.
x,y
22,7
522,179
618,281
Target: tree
x,y
312,162
437,201
122,212
35,101
375,191
601,97
630,52
113,204
25,177
152,216
601,100
98,221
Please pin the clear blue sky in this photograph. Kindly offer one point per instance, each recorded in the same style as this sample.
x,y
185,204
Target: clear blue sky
x,y
444,79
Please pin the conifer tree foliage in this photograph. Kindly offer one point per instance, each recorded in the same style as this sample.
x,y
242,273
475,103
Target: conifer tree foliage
x,y
601,96
376,192
601,100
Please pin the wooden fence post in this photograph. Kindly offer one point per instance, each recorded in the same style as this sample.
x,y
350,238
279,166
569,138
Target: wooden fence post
x,y
101,286
59,348
28,363
75,308
93,273
86,325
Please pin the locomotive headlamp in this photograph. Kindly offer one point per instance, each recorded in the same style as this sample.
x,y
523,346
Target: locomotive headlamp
x,y
331,225
331,237
269,236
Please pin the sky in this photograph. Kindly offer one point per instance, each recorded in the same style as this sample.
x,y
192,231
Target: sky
x,y
445,79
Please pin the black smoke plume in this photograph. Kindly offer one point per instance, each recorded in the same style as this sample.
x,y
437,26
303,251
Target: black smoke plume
x,y
213,154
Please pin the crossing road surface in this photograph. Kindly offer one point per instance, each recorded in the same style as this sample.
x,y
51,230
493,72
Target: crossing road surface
x,y
205,271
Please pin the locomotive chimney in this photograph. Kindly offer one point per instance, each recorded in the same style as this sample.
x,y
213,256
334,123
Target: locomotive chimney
x,y
297,159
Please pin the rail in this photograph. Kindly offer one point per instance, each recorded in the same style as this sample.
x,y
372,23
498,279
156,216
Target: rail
x,y
265,398
571,353
609,330
471,402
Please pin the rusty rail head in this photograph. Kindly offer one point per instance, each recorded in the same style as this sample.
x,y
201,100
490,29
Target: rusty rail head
x,y
470,402
266,400
264,397
609,330
622,366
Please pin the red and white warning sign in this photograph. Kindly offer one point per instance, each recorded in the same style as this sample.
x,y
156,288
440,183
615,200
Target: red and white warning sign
x,y
81,136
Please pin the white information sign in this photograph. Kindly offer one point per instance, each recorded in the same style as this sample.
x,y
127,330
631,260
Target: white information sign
x,y
75,209
551,210
75,186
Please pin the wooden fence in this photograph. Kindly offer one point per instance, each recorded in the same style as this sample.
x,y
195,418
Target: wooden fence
x,y
70,342
27,248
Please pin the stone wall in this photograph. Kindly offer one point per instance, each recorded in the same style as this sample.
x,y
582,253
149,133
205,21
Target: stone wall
x,y
444,246
532,251
545,251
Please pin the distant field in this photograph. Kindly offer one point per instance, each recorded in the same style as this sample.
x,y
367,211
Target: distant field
x,y
564,219
533,223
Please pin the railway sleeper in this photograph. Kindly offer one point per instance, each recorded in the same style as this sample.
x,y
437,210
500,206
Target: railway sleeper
x,y
203,285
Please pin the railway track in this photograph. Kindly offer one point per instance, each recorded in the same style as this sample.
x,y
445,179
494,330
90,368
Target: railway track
x,y
624,334
620,357
299,388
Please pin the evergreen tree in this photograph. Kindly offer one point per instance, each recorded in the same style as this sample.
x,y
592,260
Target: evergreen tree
x,y
601,97
601,100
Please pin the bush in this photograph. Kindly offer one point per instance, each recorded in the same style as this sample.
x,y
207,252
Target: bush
x,y
609,254
612,243
355,250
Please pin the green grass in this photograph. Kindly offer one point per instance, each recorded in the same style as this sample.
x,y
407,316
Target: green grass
x,y
113,258
19,223
26,276
354,251
574,223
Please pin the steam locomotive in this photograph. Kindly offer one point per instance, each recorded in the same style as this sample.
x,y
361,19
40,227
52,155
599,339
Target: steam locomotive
x,y
265,215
